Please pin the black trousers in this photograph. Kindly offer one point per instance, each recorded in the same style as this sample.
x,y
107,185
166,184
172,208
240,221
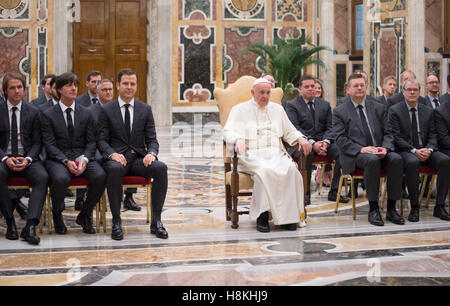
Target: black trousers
x,y
38,177
372,165
437,160
60,180
115,172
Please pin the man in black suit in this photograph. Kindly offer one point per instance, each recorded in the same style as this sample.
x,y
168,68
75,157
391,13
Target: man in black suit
x,y
415,139
312,116
389,88
20,144
446,97
47,91
433,87
407,74
365,141
129,145
91,96
442,120
53,95
69,138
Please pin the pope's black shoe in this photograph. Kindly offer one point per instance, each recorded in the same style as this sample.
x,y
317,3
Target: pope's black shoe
x,y
440,212
262,223
393,216
375,218
29,234
158,229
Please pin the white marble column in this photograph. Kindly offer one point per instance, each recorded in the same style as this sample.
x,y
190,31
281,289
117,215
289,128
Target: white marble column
x,y
62,45
159,55
327,39
416,39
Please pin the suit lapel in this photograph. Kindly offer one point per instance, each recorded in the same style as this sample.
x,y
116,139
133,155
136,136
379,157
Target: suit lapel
x,y
354,114
23,118
422,121
59,118
136,112
371,118
117,114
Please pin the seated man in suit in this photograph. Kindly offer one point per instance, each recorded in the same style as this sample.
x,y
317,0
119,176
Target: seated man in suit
x,y
46,97
433,86
69,137
407,74
442,120
313,117
129,145
415,139
365,141
389,88
20,144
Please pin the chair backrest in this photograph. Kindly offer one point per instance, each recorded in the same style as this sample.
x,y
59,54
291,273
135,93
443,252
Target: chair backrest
x,y
238,92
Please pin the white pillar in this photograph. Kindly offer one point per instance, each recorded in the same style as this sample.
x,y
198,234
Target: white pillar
x,y
159,81
327,39
416,39
62,36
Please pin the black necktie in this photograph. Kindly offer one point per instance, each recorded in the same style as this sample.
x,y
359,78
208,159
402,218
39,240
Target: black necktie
x,y
69,124
127,120
415,131
94,100
436,102
365,126
311,109
14,136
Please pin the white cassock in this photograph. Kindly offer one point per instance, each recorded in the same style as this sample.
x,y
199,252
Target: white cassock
x,y
278,185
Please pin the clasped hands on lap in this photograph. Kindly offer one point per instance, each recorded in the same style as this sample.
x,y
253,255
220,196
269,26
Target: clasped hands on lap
x,y
120,158
380,152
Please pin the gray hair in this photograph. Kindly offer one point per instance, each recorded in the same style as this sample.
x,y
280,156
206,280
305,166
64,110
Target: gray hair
x,y
411,80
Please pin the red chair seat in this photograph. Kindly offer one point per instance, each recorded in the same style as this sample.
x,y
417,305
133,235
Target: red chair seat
x,y
427,170
136,180
78,181
322,159
17,181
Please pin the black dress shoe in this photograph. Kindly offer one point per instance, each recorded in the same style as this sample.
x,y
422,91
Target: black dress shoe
x,y
86,223
29,234
130,204
414,215
332,196
290,226
375,218
440,212
11,230
60,227
262,223
117,233
79,203
393,216
21,209
159,230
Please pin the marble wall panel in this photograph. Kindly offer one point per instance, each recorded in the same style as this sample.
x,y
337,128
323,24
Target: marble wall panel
x,y
244,9
433,25
14,10
388,55
290,10
341,23
197,83
236,39
16,51
189,7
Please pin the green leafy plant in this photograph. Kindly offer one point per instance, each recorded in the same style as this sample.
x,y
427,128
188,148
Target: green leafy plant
x,y
286,59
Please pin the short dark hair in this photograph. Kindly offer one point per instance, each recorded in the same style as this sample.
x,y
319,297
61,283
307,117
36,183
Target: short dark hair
x,y
8,77
354,76
53,80
64,79
46,77
126,71
93,73
305,78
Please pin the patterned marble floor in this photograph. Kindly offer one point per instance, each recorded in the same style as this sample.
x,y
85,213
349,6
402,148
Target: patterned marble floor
x,y
202,249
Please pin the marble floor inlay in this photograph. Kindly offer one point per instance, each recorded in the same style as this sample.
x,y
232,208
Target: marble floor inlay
x,y
203,250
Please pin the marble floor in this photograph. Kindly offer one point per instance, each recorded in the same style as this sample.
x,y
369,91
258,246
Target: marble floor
x,y
203,250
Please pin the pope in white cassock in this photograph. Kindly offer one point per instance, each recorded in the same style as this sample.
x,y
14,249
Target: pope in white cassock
x,y
255,130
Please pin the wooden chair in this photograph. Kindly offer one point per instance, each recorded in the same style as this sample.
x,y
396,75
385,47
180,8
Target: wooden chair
x,y
129,182
357,174
321,161
237,183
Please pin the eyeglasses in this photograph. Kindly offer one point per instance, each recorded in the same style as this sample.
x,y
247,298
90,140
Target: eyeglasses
x,y
411,89
106,89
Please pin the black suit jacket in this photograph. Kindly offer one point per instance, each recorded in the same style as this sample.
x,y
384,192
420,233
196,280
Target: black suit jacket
x,y
56,136
113,137
2,98
444,98
30,132
41,100
429,103
382,99
317,128
84,100
400,97
442,120
349,133
400,123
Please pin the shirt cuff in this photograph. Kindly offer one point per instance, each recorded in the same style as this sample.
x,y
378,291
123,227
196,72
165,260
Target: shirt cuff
x,y
30,160
5,158
413,150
